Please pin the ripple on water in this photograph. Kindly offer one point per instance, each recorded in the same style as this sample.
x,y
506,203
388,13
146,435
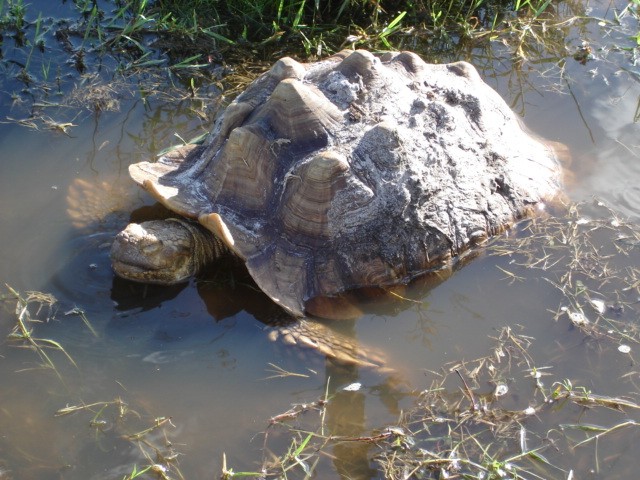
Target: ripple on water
x,y
83,275
628,200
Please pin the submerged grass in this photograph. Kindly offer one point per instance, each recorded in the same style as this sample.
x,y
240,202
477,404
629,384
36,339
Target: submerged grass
x,y
116,420
32,309
113,420
466,424
584,255
457,428
468,433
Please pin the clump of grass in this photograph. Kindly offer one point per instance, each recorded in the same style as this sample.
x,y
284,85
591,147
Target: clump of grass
x,y
12,15
191,43
468,433
193,34
459,427
585,256
21,334
325,27
34,308
116,419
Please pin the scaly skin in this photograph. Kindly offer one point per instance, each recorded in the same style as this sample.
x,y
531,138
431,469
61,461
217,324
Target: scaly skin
x,y
164,252
322,339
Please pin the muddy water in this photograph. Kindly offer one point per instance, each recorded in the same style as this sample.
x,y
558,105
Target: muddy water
x,y
198,352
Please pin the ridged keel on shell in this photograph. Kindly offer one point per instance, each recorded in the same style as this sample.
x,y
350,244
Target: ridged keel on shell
x,y
356,171
301,260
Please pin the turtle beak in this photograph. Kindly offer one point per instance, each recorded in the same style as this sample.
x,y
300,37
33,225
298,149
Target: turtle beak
x,y
152,252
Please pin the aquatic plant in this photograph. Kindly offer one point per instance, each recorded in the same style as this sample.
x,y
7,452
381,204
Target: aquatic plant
x,y
457,427
116,419
12,13
580,255
22,333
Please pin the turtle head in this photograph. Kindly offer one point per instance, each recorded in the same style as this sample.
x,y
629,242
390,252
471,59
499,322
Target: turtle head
x,y
162,252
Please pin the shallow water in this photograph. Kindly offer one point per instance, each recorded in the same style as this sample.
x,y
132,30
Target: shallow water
x,y
198,352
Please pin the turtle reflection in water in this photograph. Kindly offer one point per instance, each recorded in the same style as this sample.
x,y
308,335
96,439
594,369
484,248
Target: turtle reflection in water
x,y
317,201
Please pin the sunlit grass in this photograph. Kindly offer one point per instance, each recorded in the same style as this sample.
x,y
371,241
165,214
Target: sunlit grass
x,y
191,32
22,334
190,43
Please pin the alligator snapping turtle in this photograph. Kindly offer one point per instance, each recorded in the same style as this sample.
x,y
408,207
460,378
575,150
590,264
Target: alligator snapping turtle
x,y
358,170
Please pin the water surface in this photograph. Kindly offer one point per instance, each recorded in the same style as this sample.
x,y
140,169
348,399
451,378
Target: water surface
x,y
198,352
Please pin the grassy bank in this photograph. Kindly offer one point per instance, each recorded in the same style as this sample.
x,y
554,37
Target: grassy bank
x,y
190,32
89,52
200,35
318,27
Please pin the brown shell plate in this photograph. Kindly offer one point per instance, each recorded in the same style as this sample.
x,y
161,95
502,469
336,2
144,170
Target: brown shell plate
x,y
356,171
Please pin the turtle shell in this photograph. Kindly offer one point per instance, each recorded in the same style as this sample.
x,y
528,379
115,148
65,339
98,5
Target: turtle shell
x,y
356,171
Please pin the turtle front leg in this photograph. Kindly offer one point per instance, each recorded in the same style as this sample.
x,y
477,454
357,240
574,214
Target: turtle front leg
x,y
317,336
164,252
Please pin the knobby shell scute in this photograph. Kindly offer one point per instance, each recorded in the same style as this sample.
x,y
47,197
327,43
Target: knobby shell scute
x,y
356,171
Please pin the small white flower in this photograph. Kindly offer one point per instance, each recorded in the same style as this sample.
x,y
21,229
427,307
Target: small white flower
x,y
501,389
624,348
598,305
529,411
577,318
354,387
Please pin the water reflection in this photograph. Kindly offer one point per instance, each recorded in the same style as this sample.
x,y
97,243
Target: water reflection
x,y
617,154
198,351
346,417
